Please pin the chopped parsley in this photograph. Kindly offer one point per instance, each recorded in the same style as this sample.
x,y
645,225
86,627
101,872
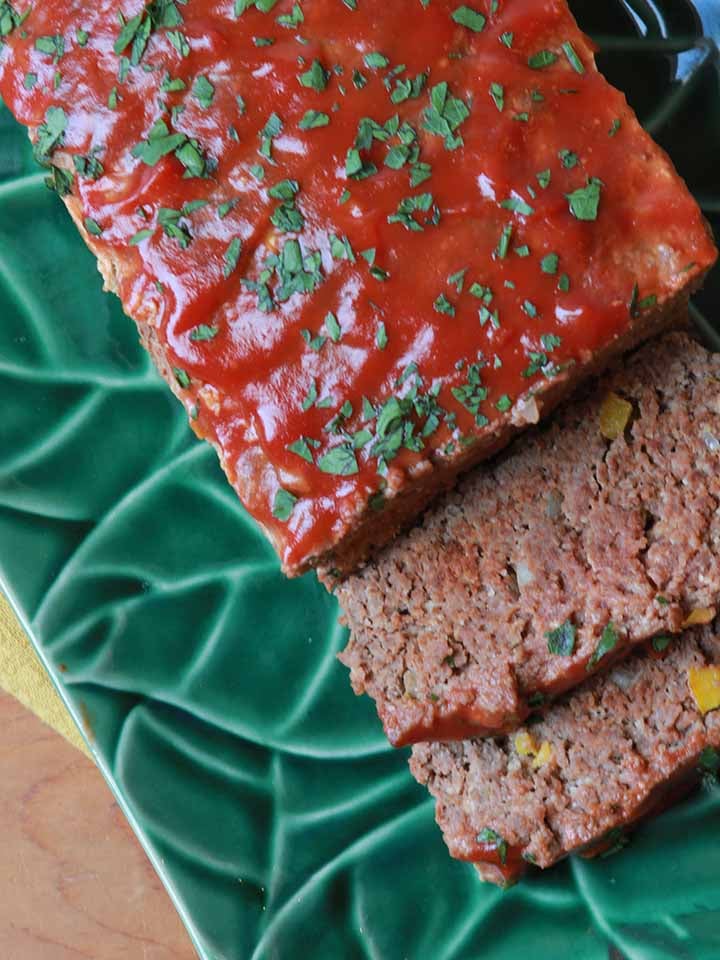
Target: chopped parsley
x,y
568,158
517,205
136,32
50,134
661,643
607,643
470,18
340,461
376,61
161,142
272,129
443,305
445,115
709,766
232,256
302,449
574,60
585,201
53,46
283,505
333,327
203,332
543,59
204,92
314,119
504,242
407,207
561,640
10,19
497,92
93,227
549,263
182,377
490,838
472,394
316,77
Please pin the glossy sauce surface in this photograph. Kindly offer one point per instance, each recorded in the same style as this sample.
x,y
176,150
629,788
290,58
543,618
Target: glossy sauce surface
x,y
353,269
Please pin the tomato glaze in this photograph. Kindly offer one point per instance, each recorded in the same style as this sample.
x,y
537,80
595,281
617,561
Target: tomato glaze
x,y
360,236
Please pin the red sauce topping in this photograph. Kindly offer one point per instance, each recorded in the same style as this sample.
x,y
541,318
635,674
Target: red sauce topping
x,y
490,848
362,235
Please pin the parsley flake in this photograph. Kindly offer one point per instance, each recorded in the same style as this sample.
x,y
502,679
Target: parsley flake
x,y
490,838
543,59
608,641
467,17
561,640
283,505
585,201
340,461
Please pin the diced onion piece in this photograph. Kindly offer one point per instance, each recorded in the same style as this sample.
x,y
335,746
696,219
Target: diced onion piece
x,y
210,396
554,504
524,574
615,415
544,755
699,617
525,745
711,441
410,684
525,411
705,687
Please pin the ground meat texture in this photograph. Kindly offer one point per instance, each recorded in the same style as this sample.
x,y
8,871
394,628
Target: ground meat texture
x,y
625,745
552,562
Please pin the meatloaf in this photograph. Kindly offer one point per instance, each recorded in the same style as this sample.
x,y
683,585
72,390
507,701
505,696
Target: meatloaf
x,y
598,532
626,745
364,242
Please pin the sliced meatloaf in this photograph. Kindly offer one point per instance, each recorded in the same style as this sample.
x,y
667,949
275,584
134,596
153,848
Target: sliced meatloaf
x,y
596,533
362,255
626,745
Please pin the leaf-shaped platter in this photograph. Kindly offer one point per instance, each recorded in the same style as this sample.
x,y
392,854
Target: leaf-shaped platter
x,y
280,820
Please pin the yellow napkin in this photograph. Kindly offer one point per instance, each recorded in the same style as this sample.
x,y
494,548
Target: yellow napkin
x,y
22,675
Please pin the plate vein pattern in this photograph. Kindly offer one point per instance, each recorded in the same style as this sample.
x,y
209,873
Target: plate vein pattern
x,y
377,836
30,306
165,468
277,814
600,921
83,683
146,380
11,188
73,419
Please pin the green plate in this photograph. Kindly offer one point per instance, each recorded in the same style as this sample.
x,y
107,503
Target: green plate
x,y
278,817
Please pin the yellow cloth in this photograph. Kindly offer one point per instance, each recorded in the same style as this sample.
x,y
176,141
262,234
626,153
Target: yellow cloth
x,y
22,675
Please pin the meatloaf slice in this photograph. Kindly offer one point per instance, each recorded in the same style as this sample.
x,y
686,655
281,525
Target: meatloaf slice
x,y
362,255
553,561
627,744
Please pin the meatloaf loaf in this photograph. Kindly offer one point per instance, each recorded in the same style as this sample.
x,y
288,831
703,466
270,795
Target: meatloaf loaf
x,y
365,243
598,532
624,746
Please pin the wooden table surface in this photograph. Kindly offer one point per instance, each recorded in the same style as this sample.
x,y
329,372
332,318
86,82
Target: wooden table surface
x,y
74,882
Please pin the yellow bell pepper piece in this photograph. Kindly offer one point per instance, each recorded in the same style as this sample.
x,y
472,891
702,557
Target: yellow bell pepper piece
x,y
525,744
705,687
615,415
700,616
544,755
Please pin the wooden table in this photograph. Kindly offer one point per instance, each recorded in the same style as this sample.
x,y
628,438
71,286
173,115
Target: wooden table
x,y
74,882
